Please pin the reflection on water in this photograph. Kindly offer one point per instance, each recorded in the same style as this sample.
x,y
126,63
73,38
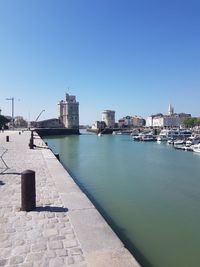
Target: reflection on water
x,y
149,192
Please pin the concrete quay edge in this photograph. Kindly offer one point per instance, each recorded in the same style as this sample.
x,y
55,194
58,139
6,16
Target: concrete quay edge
x,y
101,246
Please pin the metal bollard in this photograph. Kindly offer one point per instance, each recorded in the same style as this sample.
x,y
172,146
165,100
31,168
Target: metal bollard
x,y
7,138
28,195
31,145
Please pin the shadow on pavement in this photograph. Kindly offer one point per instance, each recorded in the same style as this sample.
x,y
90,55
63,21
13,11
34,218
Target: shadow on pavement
x,y
51,209
6,173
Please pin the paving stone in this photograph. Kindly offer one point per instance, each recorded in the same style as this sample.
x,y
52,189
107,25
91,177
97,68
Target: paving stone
x,y
78,258
16,260
5,252
76,251
66,230
27,264
50,225
70,236
50,215
3,262
70,243
56,262
50,232
62,252
5,244
39,247
19,250
3,237
19,242
50,254
34,256
70,261
55,245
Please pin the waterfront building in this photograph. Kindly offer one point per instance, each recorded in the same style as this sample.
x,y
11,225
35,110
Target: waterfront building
x,y
121,123
137,121
131,121
108,116
69,112
149,121
125,122
167,121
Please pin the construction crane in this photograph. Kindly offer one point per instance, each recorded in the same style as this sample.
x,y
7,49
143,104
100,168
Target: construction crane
x,y
39,115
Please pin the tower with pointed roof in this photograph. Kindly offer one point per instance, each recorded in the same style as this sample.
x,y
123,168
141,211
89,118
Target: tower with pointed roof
x,y
170,110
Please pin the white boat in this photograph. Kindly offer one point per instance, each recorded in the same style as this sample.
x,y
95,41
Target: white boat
x,y
166,134
99,134
163,136
148,137
179,142
196,148
170,141
137,137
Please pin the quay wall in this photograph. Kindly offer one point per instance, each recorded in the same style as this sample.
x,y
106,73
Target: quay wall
x,y
100,244
56,131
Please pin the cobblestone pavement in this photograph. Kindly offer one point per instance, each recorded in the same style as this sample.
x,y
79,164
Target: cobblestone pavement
x,y
44,237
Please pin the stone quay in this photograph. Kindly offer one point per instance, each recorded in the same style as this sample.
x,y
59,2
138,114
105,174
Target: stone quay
x,y
65,229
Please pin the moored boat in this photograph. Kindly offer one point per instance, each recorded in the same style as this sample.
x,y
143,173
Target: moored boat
x,y
148,137
196,148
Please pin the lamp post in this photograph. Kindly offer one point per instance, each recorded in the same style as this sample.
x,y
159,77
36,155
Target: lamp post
x,y
12,99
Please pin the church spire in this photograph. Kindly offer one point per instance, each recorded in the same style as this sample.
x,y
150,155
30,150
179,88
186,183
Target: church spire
x,y
170,110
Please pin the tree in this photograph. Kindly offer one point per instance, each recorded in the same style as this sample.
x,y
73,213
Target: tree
x,y
198,121
3,121
191,122
20,122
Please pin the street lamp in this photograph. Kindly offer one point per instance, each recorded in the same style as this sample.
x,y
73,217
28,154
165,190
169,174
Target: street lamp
x,y
12,99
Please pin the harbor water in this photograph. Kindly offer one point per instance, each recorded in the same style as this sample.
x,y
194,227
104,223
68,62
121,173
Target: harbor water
x,y
148,192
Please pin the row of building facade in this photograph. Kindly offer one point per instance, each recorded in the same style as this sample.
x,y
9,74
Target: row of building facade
x,y
170,120
68,117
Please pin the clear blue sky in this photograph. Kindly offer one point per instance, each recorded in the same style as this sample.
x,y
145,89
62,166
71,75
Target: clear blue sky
x,y
132,56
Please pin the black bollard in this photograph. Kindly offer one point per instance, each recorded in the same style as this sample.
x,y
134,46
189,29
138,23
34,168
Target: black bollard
x,y
28,195
7,138
31,145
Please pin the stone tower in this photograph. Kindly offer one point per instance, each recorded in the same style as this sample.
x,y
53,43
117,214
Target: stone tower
x,y
108,116
69,112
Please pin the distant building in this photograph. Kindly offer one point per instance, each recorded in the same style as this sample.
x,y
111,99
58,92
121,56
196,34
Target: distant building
x,y
167,121
138,121
108,116
20,122
131,121
69,112
121,123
